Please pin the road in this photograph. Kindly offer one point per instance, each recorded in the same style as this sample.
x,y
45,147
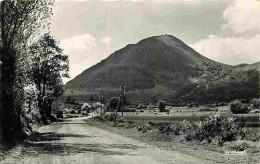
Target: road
x,y
74,141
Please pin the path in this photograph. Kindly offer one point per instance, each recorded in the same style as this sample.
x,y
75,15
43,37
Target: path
x,y
74,141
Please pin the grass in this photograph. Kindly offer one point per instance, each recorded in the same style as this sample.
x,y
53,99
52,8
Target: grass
x,y
177,114
201,150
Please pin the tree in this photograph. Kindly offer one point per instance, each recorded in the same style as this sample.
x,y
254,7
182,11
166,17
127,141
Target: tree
x,y
50,64
20,21
237,107
91,99
161,106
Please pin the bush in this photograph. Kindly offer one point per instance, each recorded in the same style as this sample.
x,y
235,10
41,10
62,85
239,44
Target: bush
x,y
239,146
141,106
70,100
60,114
218,104
161,106
115,103
73,112
193,105
237,107
255,103
220,127
130,110
56,106
214,127
165,130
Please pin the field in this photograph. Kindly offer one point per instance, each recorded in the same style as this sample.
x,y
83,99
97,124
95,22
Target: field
x,y
202,150
153,119
177,114
173,114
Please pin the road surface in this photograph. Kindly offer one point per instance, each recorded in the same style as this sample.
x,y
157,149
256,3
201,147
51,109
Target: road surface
x,y
74,141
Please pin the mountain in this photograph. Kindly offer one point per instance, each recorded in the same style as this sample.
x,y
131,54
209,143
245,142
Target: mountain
x,y
165,67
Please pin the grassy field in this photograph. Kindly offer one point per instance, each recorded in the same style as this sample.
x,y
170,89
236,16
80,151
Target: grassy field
x,y
201,150
177,114
142,117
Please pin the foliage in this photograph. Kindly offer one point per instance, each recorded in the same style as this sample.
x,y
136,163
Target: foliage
x,y
222,128
20,22
115,103
256,103
237,107
57,105
192,105
50,64
239,146
91,98
30,96
161,106
70,100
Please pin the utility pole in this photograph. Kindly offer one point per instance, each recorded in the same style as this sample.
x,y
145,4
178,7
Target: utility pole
x,y
122,97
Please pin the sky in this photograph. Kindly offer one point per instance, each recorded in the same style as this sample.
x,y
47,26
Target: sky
x,y
227,31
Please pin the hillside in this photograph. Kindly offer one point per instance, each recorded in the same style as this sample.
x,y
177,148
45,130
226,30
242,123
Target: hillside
x,y
165,67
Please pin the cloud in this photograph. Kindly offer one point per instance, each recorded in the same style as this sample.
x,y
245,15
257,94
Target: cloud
x,y
230,50
243,16
84,52
105,40
79,48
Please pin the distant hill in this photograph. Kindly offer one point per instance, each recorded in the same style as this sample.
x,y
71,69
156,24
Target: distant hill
x,y
165,67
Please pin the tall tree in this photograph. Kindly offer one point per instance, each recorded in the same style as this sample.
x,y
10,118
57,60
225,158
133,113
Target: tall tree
x,y
50,64
20,22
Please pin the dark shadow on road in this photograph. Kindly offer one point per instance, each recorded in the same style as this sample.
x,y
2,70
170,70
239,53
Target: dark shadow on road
x,y
62,149
48,143
125,146
52,136
72,123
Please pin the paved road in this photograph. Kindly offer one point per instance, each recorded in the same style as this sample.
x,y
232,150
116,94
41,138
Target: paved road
x,y
73,141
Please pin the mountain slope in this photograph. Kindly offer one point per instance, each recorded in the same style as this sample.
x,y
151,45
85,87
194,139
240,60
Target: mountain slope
x,y
163,66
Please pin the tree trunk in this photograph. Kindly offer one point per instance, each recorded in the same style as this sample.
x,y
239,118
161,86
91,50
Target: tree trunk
x,y
48,107
1,134
9,115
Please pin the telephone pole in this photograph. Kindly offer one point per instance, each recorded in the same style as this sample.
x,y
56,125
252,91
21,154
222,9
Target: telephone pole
x,y
122,97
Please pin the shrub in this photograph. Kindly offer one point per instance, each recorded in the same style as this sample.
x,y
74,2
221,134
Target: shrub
x,y
60,114
237,107
130,110
161,106
115,103
56,106
141,106
193,105
217,127
218,104
239,146
220,127
255,103
73,112
165,129
184,127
